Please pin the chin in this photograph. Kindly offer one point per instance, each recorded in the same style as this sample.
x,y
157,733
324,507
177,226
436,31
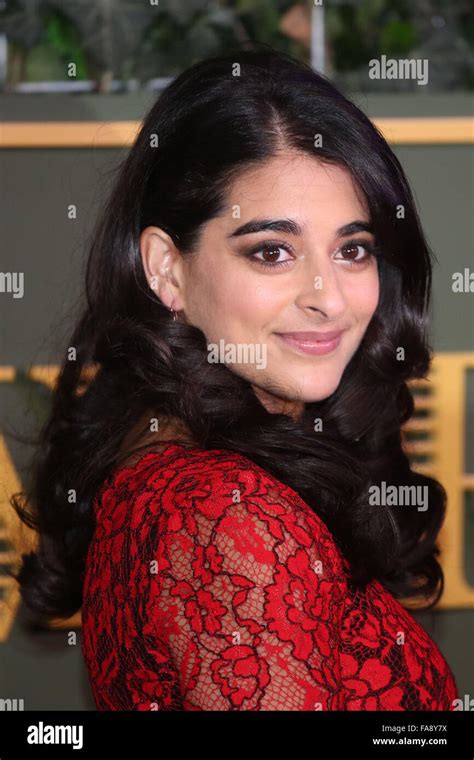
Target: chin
x,y
311,392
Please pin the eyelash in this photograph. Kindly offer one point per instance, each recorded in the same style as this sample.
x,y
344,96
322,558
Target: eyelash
x,y
371,249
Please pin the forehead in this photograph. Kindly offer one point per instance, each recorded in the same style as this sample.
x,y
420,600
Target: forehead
x,y
297,184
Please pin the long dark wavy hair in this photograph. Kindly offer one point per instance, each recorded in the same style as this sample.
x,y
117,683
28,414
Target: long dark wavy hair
x,y
220,117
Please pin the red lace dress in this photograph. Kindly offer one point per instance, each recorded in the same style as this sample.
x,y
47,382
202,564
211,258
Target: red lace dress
x,y
210,585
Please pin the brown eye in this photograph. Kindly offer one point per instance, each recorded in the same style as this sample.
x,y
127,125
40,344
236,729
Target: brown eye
x,y
353,251
356,252
271,254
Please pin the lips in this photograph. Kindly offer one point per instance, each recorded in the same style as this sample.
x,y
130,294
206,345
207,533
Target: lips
x,y
312,343
312,337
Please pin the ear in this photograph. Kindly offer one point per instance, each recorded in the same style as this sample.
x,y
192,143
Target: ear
x,y
163,266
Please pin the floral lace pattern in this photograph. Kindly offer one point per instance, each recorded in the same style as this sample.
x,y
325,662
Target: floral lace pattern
x,y
210,585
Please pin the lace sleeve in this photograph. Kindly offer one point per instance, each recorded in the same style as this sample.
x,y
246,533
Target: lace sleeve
x,y
245,596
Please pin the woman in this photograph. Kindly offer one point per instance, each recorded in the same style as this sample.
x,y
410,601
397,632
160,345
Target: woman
x,y
257,297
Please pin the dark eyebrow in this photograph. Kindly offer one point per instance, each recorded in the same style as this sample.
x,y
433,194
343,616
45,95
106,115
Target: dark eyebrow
x,y
354,227
259,225
293,228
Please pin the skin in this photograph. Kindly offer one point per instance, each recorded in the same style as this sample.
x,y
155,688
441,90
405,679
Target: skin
x,y
232,297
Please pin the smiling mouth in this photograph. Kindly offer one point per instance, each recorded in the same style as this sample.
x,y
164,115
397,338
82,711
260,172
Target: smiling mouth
x,y
315,344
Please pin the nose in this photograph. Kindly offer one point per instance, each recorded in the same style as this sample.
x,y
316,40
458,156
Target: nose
x,y
320,290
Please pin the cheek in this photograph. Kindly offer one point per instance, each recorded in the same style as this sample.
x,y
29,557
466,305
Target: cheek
x,y
238,299
363,297
223,301
267,299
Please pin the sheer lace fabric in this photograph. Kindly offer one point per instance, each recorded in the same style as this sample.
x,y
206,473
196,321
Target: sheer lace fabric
x,y
210,585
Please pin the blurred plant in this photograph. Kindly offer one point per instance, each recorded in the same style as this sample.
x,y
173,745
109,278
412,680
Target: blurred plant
x,y
61,46
359,31
64,38
208,27
125,37
441,31
111,33
398,37
118,39
23,22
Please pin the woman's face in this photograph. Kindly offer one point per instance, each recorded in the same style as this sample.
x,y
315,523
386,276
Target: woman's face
x,y
253,289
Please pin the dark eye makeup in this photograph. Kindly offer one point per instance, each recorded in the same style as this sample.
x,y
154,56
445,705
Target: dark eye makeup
x,y
269,245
